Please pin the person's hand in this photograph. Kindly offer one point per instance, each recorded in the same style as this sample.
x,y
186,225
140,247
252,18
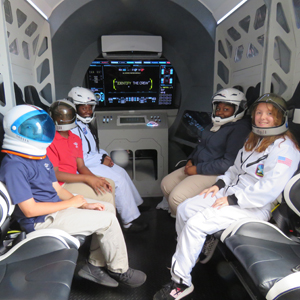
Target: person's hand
x,y
77,201
213,189
93,206
99,184
189,163
221,202
190,170
108,161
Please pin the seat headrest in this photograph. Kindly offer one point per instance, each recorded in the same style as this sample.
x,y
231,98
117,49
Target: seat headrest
x,y
291,194
6,206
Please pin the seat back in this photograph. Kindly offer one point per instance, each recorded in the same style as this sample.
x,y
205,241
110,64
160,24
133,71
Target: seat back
x,y
18,95
32,97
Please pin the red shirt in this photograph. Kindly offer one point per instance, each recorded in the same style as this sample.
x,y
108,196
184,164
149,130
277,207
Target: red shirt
x,y
63,152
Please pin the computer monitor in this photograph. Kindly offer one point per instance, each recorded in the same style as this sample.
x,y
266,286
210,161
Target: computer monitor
x,y
132,84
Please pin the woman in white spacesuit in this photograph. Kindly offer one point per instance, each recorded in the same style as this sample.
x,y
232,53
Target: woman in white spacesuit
x,y
260,172
99,163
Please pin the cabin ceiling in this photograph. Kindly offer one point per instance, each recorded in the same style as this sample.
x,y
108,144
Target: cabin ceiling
x,y
218,8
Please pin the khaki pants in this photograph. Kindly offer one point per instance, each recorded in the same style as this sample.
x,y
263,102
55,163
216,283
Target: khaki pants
x,y
79,188
108,247
177,187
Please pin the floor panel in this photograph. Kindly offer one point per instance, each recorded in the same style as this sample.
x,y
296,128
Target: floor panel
x,y
151,252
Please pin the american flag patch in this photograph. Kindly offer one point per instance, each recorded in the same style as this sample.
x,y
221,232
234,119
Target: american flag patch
x,y
284,160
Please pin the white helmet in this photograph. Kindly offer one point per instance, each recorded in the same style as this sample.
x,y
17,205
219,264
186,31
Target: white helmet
x,y
29,130
279,103
63,114
231,96
80,96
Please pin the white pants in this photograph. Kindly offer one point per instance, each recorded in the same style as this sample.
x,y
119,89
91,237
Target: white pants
x,y
177,187
195,219
107,247
126,194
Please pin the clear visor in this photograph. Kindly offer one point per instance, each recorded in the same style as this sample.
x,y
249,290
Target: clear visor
x,y
36,126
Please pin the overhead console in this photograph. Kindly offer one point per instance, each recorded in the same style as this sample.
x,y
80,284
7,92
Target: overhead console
x,y
132,84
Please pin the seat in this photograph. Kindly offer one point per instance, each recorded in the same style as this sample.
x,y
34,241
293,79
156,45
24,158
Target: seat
x,y
18,95
32,97
270,257
41,266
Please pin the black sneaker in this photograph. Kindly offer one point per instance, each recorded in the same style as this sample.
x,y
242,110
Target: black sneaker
x,y
132,278
208,249
136,226
173,291
97,274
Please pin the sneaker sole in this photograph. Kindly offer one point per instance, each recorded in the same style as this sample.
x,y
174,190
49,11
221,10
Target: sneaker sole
x,y
212,251
87,276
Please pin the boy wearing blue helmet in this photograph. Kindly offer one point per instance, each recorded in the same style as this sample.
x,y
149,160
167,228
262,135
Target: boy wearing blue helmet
x,y
42,203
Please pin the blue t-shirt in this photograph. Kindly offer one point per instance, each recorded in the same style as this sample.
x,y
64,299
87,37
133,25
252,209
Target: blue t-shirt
x,y
28,178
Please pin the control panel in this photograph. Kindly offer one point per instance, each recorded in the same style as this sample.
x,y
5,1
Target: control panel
x,y
143,137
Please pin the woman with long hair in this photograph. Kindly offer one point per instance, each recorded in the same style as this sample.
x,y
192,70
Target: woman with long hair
x,y
260,172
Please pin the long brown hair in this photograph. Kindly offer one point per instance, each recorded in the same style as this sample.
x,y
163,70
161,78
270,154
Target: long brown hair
x,y
253,139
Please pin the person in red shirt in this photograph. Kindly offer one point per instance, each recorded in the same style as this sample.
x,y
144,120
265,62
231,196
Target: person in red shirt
x,y
66,155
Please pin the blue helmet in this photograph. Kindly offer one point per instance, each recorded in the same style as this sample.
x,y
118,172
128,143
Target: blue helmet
x,y
29,130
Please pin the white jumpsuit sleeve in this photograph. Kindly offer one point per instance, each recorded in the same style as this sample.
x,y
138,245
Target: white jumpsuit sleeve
x,y
279,167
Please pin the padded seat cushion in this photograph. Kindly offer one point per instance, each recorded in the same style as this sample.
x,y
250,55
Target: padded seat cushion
x,y
266,261
42,268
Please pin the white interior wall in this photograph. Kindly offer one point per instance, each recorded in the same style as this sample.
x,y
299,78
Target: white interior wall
x,y
27,34
247,71
277,62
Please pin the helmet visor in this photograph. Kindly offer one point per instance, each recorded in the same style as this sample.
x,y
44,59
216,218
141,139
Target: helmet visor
x,y
64,114
36,126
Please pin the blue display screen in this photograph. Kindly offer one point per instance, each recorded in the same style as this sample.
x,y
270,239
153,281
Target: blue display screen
x,y
132,84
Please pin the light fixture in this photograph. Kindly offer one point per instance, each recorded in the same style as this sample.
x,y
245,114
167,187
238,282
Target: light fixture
x,y
231,11
37,9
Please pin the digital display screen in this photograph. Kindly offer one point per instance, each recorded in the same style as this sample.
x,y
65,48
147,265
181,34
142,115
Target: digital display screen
x,y
132,84
132,120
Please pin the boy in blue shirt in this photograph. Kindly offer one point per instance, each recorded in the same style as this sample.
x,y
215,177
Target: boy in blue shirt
x,y
42,203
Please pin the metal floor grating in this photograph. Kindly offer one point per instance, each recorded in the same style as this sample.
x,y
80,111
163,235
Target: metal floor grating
x,y
151,252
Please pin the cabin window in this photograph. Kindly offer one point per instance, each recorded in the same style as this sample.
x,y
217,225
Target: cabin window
x,y
219,87
239,53
283,54
252,51
44,46
13,47
221,49
234,34
8,12
25,50
31,29
279,86
281,19
223,72
261,40
34,44
296,4
21,17
46,93
229,48
260,17
43,70
245,23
